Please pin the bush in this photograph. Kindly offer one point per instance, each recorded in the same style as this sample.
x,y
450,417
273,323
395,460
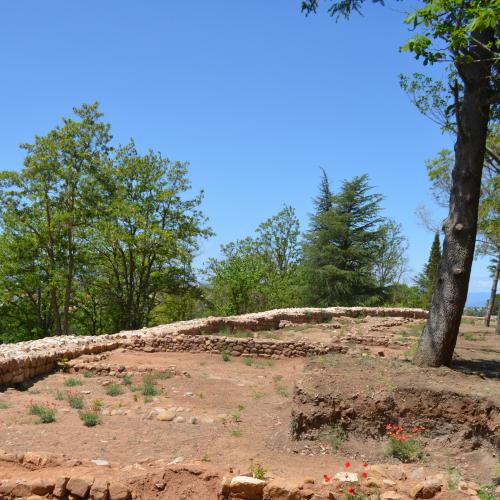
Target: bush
x,y
88,373
45,414
333,435
75,401
89,418
282,390
72,382
403,446
258,471
225,356
113,390
149,389
96,405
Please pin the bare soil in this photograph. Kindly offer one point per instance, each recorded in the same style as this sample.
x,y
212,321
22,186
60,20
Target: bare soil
x,y
270,410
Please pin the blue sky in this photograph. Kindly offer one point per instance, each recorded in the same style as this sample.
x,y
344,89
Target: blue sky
x,y
253,94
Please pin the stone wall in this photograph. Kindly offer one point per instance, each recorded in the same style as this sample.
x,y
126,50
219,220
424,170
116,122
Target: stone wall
x,y
25,360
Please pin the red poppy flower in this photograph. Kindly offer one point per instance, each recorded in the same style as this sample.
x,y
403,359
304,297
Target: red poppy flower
x,y
388,427
365,465
327,479
351,490
363,475
414,430
347,465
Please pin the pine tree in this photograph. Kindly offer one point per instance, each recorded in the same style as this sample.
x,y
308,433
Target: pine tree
x,y
340,247
426,280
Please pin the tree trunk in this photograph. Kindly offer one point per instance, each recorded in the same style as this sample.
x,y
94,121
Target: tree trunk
x,y
491,302
439,336
497,329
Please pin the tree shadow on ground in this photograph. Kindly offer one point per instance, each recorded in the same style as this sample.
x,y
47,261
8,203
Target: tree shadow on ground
x,y
488,368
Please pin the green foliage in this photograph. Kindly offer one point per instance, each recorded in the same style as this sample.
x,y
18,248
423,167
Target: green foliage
x,y
333,435
92,237
96,405
76,401
248,361
149,388
113,390
258,471
88,373
342,246
225,356
127,380
72,382
45,414
60,396
426,280
257,273
406,451
89,418
282,390
486,492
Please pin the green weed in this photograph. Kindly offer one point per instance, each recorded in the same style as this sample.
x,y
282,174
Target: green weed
x,y
258,471
76,401
333,435
113,390
72,382
89,418
45,414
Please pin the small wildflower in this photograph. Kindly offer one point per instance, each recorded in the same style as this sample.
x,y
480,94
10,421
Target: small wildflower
x,y
364,475
351,490
347,465
388,427
414,430
365,465
327,479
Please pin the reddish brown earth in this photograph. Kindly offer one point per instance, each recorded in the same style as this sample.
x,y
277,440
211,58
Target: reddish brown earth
x,y
243,411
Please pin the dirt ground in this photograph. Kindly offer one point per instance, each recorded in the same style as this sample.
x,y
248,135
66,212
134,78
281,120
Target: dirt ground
x,y
230,412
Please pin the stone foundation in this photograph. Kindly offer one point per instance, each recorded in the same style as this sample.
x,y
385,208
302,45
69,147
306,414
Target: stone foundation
x,y
25,360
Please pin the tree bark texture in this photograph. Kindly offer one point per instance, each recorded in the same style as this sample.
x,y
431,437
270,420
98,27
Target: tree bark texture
x,y
439,336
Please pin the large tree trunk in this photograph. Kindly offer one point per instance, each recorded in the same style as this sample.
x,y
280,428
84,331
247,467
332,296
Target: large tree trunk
x,y
493,294
439,336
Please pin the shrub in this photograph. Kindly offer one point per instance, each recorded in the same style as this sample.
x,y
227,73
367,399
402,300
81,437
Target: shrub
x,y
258,471
149,387
127,380
45,414
72,382
236,433
402,446
282,390
248,361
60,396
75,401
225,356
486,492
113,390
96,405
63,364
333,435
88,373
89,418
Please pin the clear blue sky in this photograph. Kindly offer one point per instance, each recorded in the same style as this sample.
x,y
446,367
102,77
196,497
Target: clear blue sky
x,y
253,94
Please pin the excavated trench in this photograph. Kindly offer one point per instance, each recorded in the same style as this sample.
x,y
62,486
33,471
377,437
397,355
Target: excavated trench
x,y
463,421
